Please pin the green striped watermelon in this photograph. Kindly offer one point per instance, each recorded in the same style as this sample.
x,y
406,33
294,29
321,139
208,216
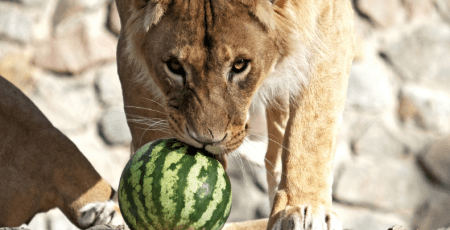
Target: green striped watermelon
x,y
170,185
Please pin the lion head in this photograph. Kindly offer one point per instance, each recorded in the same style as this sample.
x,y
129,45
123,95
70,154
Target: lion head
x,y
214,63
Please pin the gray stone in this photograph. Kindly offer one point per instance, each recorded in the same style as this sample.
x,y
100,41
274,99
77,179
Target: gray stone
x,y
377,142
109,227
397,227
114,128
68,103
357,218
66,9
29,2
249,200
76,49
436,161
7,48
113,18
423,55
433,213
388,184
53,219
383,13
15,25
369,87
418,9
342,157
428,109
108,161
443,7
17,68
108,85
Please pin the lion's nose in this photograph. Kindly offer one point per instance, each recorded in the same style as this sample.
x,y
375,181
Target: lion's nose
x,y
207,137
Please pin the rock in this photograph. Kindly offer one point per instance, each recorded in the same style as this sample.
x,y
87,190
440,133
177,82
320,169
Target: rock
x,y
255,146
363,37
356,218
388,184
114,128
433,213
249,200
443,7
109,227
113,18
69,8
369,87
108,85
342,157
29,2
76,47
7,48
109,162
384,13
377,142
69,103
423,55
397,228
53,219
418,9
436,162
15,25
17,68
428,109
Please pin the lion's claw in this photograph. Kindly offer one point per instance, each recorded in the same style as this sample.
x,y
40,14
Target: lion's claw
x,y
100,213
305,217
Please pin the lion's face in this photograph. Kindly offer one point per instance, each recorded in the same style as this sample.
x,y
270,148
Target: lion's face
x,y
205,61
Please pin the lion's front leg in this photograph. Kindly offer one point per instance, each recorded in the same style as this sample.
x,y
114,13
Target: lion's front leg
x,y
303,199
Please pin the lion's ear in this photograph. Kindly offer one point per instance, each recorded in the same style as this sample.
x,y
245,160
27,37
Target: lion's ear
x,y
148,12
279,3
139,4
263,11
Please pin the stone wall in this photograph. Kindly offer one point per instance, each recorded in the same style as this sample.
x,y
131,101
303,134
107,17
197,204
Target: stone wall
x,y
61,53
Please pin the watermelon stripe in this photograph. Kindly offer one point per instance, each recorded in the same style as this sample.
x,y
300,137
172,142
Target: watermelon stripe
x,y
217,198
146,180
134,180
170,177
125,205
211,180
157,184
130,197
183,183
226,200
154,168
170,185
195,178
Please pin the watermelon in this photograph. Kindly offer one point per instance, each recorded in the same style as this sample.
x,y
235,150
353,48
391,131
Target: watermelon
x,y
170,185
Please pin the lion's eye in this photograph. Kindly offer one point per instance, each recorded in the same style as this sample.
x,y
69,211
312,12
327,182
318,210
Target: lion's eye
x,y
175,67
239,66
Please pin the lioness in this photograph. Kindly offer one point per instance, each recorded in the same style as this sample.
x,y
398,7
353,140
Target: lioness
x,y
41,169
200,71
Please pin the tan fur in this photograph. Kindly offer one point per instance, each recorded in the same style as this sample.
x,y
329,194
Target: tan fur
x,y
40,168
300,53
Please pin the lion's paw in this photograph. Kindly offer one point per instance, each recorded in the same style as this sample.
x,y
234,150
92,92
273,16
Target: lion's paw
x,y
305,217
100,213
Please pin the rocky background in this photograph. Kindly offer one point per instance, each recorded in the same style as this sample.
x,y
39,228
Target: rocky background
x,y
393,158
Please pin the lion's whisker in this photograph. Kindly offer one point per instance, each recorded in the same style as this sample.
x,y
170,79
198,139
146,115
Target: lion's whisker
x,y
270,139
266,160
138,107
154,102
246,148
